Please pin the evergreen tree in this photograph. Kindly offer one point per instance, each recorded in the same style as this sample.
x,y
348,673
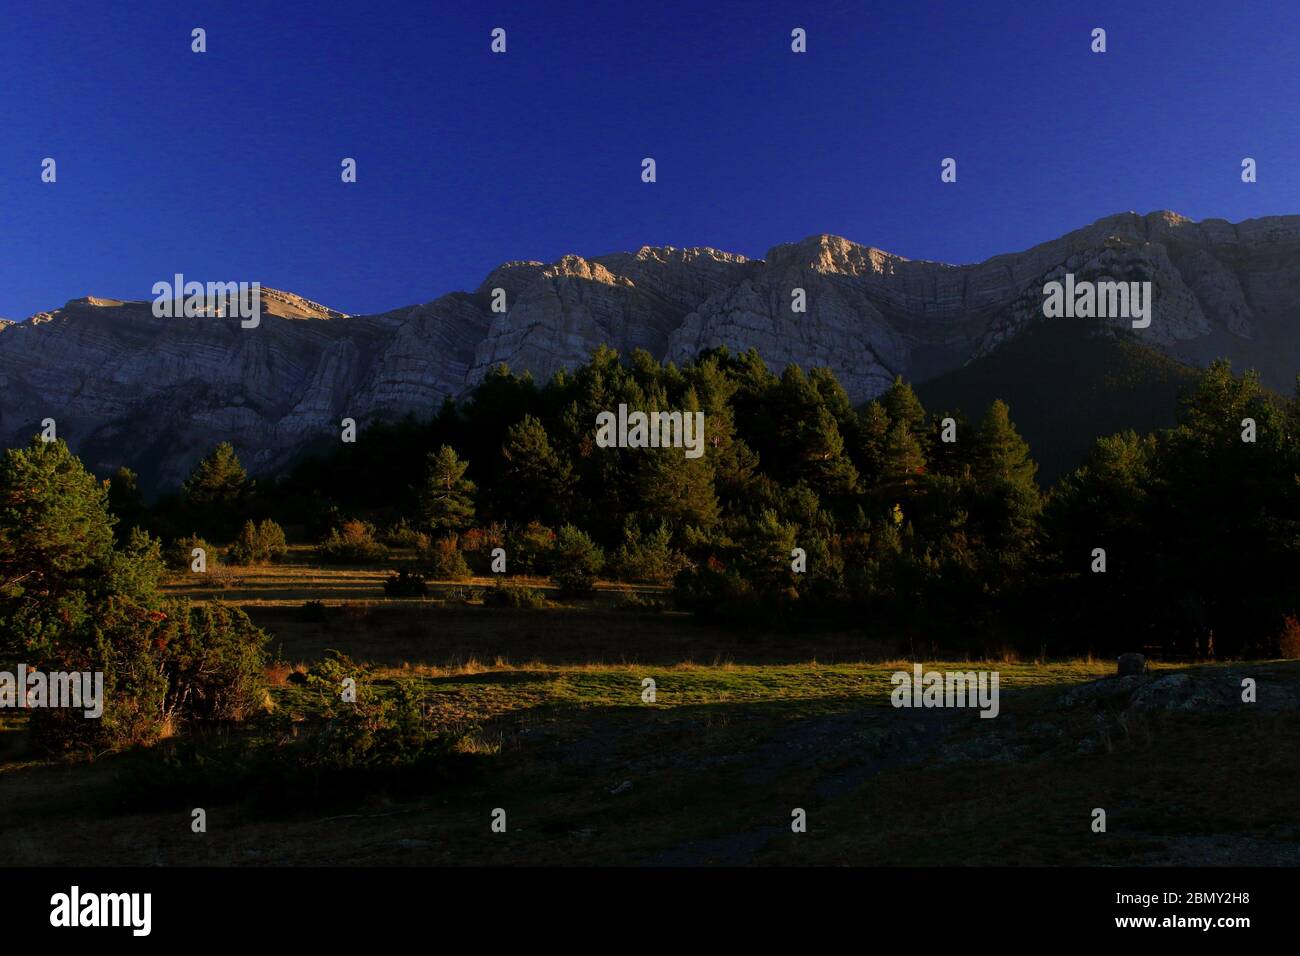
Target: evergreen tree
x,y
873,436
902,405
447,498
1005,500
218,492
536,483
675,488
576,560
1002,455
125,500
55,528
808,443
903,467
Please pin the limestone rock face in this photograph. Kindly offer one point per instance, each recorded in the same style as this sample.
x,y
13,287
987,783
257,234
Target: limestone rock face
x,y
128,388
558,314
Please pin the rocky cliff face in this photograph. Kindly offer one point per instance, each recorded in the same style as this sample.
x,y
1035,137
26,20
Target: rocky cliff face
x,y
126,387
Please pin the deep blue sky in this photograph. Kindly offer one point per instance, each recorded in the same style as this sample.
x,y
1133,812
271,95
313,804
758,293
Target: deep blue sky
x,y
225,165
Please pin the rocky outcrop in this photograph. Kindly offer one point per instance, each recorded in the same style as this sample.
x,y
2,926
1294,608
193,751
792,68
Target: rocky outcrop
x,y
126,387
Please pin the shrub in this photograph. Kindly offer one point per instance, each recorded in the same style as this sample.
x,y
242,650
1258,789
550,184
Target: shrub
x,y
353,543
713,590
576,561
406,584
632,601
445,561
381,741
477,545
162,669
257,544
372,729
648,557
217,662
180,556
403,535
135,570
514,595
270,540
529,549
72,602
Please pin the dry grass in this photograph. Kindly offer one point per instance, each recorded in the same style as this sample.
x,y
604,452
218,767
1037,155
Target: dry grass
x,y
300,577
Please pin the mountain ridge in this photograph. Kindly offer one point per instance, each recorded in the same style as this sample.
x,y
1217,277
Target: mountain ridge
x,y
116,377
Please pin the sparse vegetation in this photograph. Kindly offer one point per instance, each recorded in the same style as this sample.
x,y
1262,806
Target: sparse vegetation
x,y
353,543
513,595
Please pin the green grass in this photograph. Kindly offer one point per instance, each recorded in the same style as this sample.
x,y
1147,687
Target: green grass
x,y
717,764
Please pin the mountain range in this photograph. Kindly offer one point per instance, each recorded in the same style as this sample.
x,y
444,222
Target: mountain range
x,y
126,387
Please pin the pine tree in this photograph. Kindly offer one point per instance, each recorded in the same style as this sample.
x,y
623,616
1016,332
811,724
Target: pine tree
x,y
807,440
536,482
218,492
54,522
125,501
218,481
904,463
1007,499
902,405
447,499
675,488
874,432
1002,455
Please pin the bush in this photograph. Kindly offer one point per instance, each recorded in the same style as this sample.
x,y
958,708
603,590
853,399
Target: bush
x,y
406,584
477,544
514,595
162,670
576,561
257,544
217,663
70,602
445,561
353,543
180,556
372,729
648,557
714,590
381,741
528,549
403,535
632,601
135,569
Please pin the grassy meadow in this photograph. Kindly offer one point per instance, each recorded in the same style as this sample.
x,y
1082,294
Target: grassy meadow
x,y
545,713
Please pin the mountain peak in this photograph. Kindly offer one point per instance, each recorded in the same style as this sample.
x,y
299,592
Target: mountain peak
x,y
122,378
275,302
93,301
832,254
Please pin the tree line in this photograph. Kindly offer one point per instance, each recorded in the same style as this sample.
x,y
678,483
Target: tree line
x,y
806,511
